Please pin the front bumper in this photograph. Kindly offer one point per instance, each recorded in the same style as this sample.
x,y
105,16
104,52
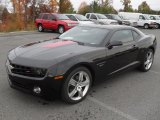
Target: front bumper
x,y
47,85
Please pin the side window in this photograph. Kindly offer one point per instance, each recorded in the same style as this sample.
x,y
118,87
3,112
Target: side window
x,y
136,35
141,17
123,35
45,16
93,17
87,16
51,17
72,17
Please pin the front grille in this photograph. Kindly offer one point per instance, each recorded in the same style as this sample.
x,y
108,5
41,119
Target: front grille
x,y
27,71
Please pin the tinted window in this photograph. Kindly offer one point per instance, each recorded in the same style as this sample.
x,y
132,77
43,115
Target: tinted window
x,y
141,17
81,18
108,16
87,15
85,34
93,17
72,17
100,16
136,35
123,35
45,16
51,17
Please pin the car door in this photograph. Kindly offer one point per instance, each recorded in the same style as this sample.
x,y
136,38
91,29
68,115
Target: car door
x,y
45,21
141,20
52,22
93,18
123,56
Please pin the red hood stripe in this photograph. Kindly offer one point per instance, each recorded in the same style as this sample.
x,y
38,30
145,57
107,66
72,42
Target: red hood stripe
x,y
58,44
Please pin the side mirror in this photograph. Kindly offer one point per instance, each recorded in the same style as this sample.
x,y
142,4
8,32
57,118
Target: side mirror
x,y
114,43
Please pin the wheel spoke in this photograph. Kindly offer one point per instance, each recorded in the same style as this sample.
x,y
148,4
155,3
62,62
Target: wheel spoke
x,y
73,93
85,83
80,93
73,82
80,76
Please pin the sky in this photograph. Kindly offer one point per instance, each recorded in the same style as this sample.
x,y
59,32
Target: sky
x,y
154,4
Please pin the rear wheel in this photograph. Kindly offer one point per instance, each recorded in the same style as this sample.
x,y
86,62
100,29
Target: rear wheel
x,y
77,85
146,26
148,61
40,28
157,26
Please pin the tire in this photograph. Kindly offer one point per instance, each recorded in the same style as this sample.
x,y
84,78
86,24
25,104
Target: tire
x,y
147,61
146,26
40,28
61,29
157,26
73,89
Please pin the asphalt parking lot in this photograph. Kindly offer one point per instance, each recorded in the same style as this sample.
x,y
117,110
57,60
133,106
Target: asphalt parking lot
x,y
132,95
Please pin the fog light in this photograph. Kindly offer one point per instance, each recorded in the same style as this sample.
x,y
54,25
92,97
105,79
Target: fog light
x,y
37,90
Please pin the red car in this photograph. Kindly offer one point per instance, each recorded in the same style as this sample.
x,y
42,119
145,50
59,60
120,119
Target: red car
x,y
54,21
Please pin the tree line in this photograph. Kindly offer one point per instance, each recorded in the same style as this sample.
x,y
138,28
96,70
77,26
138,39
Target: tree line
x,y
107,7
26,11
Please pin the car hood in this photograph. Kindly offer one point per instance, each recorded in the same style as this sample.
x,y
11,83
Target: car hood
x,y
46,53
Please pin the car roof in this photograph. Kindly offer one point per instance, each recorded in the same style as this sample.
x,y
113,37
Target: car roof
x,y
110,27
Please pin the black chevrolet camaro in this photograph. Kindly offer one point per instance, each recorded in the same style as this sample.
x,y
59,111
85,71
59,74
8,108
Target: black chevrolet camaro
x,y
72,62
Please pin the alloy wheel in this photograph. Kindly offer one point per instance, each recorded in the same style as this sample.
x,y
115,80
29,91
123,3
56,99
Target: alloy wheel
x,y
78,85
149,60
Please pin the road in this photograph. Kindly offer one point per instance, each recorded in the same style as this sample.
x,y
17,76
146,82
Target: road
x,y
132,95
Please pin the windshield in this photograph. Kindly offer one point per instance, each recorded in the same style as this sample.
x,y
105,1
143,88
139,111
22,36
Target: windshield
x,y
85,34
81,18
62,17
101,16
116,17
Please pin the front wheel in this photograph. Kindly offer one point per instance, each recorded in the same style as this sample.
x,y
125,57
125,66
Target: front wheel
x,y
157,26
148,61
40,28
77,85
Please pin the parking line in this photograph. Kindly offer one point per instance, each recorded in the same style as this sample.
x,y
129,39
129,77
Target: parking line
x,y
115,110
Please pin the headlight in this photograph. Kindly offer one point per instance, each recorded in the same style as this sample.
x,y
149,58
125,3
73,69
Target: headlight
x,y
40,72
70,24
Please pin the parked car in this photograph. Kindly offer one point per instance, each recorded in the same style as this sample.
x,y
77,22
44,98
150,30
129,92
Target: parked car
x,y
157,19
141,19
54,21
115,17
79,18
100,19
81,56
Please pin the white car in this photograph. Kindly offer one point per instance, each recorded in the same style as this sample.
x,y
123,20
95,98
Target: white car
x,y
79,18
100,19
157,19
141,19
